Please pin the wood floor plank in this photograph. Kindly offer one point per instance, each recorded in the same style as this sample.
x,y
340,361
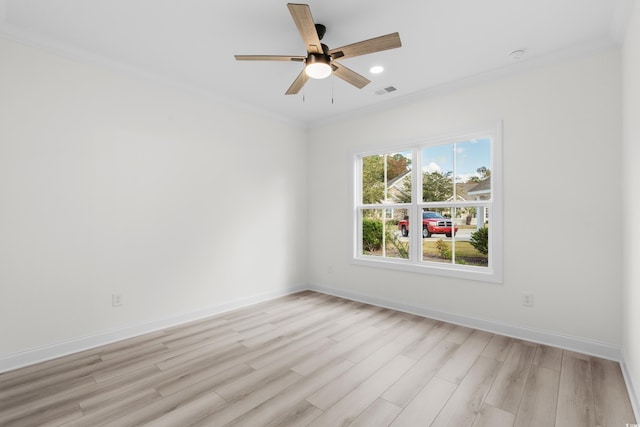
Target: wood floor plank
x,y
159,407
274,408
299,415
465,403
285,362
379,413
347,409
508,387
419,330
424,344
338,350
293,353
116,408
208,336
68,393
464,357
42,397
420,374
212,378
105,393
331,393
361,313
248,401
363,350
30,374
38,386
576,355
612,404
125,366
216,354
239,388
548,357
52,414
426,405
192,410
575,395
540,399
498,348
490,416
459,334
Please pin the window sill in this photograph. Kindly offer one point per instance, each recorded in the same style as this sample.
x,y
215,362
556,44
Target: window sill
x,y
481,274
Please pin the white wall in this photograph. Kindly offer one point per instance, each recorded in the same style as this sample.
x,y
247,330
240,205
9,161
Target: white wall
x,y
562,200
115,184
630,182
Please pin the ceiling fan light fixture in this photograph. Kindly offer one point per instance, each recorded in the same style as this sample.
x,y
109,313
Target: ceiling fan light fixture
x,y
318,66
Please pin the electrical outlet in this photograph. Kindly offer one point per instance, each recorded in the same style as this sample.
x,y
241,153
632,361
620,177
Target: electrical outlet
x,y
116,300
527,300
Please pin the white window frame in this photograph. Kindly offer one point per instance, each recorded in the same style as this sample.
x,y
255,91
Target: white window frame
x,y
491,273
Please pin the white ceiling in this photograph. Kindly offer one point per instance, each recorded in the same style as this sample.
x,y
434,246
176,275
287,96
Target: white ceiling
x,y
192,42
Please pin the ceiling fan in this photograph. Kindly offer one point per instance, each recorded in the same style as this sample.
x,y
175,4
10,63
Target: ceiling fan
x,y
320,61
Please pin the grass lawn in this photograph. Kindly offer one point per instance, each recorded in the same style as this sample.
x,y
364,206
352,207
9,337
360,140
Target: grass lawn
x,y
465,253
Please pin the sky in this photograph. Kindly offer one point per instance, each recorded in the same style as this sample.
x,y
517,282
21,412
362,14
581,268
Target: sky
x,y
470,155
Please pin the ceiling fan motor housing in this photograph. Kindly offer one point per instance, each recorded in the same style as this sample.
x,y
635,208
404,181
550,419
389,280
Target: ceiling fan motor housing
x,y
315,58
320,29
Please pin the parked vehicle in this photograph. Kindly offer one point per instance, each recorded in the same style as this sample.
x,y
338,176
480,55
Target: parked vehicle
x,y
432,223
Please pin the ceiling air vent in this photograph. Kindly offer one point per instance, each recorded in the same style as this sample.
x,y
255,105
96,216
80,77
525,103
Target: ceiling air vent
x,y
386,90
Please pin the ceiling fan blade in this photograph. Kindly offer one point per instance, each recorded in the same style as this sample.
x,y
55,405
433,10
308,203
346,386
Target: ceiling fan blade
x,y
377,44
297,83
350,76
270,58
301,15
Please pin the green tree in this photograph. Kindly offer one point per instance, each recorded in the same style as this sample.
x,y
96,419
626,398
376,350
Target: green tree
x,y
437,186
373,183
483,173
372,179
397,164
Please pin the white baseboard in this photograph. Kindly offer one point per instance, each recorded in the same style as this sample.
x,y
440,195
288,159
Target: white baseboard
x,y
593,348
631,387
41,354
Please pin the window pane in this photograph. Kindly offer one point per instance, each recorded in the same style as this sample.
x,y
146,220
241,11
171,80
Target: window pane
x,y
473,173
386,178
383,233
438,230
472,241
437,173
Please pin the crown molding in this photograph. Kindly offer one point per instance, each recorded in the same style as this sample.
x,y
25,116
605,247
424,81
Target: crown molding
x,y
16,35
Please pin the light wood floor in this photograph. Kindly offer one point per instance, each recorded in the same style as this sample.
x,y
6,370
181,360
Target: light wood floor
x,y
313,359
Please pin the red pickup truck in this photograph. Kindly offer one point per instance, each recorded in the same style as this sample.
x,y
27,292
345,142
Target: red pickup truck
x,y
432,223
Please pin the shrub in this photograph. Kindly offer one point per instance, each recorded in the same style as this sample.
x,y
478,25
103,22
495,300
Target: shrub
x,y
444,249
371,234
480,240
401,247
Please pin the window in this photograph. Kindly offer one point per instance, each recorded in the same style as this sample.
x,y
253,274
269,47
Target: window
x,y
451,186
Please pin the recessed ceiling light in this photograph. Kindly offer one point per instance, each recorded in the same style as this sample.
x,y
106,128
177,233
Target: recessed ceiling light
x,y
376,69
